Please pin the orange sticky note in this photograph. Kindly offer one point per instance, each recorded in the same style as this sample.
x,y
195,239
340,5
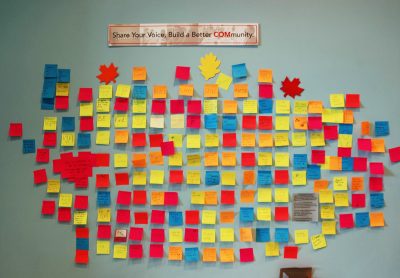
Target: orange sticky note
x,y
247,196
265,75
175,253
186,90
159,91
249,177
156,158
226,217
348,117
315,107
157,198
300,123
121,136
210,254
320,185
265,140
248,140
240,90
210,198
246,234
230,106
210,159
210,90
377,219
357,183
139,160
365,128
226,255
377,145
139,74
335,163
228,158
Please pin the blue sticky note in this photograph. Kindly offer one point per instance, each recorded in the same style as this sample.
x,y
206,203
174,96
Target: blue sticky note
x,y
50,71
192,255
377,200
381,128
175,218
347,163
345,129
47,104
264,177
103,198
313,172
64,75
49,88
139,91
362,219
281,235
82,244
211,121
28,146
84,140
212,178
228,123
68,124
299,161
265,106
246,214
239,71
262,235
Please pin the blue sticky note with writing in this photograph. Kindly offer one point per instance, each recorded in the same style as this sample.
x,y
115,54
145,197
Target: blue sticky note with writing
x,y
381,128
103,198
265,106
262,235
299,161
281,235
212,178
239,71
347,163
47,104
28,146
50,71
49,88
313,172
362,219
84,140
211,121
192,255
64,75
68,124
82,244
377,200
345,129
228,123
175,218
246,214
139,91
264,177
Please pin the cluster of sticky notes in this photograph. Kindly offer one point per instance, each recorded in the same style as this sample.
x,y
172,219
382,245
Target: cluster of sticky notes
x,y
56,88
82,245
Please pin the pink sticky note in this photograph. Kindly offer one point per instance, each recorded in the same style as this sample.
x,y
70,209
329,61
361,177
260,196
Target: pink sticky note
x,y
123,216
318,156
62,103
246,255
314,123
50,139
182,72
86,123
136,234
42,155
135,251
104,231
81,202
167,148
124,198
121,104
156,251
394,154
85,94
194,106
157,217
64,214
360,164
157,235
177,106
376,168
331,132
376,184
265,90
352,100
48,207
346,221
141,217
15,130
364,144
344,152
193,121
358,200
191,235
290,252
158,106
171,198
39,176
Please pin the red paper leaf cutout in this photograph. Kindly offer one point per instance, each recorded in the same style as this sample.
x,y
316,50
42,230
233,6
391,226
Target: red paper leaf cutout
x,y
291,88
108,74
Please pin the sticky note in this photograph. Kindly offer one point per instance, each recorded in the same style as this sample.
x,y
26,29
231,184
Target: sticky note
x,y
65,200
318,241
175,235
226,255
193,141
336,100
301,237
159,91
265,75
264,195
300,107
226,234
103,137
86,109
299,139
239,71
182,72
139,74
123,90
272,249
209,254
192,255
208,235
281,195
282,106
28,146
381,128
281,235
263,235
340,183
80,217
224,81
210,90
186,90
263,214
102,247
250,106
105,91
120,251
328,227
299,177
50,123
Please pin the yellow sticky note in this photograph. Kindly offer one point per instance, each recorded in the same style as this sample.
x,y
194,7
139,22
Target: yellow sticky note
x,y
208,217
103,137
250,106
226,255
103,120
228,178
211,140
208,235
193,160
175,253
139,121
210,106
156,177
332,116
340,183
264,159
326,196
264,195
139,74
186,90
299,139
177,139
272,249
139,178
53,186
282,123
224,81
50,123
86,109
120,251
210,90
65,200
281,159
157,198
102,247
336,100
103,105
300,107
281,139
175,235
230,106
265,75
121,120
67,139
62,89
193,141
159,91
227,234
328,227
318,241
105,91
317,139
175,159
103,215
123,90
193,177
301,236
299,177
281,195
197,198
263,214
327,212
282,106
139,106
341,199
178,121
120,160
345,141
157,121
80,217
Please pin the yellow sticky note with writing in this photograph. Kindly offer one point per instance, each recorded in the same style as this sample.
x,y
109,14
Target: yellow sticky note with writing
x,y
208,217
178,121
327,212
210,106
80,217
281,139
272,249
197,198
103,215
62,89
193,141
103,247
264,159
177,139
208,235
264,195
175,235
336,100
139,121
120,251
332,116
139,106
282,106
318,241
263,214
103,120
345,141
139,178
326,196
193,160
282,123
193,177
301,237
281,159
299,139
224,81
175,159
227,234
67,139
281,195
121,120
341,199
340,183
156,177
120,160
123,90
265,75
103,137
299,177
211,140
65,200
328,227
103,105
50,123
250,106
228,178
317,139
300,107
86,109
53,186
105,91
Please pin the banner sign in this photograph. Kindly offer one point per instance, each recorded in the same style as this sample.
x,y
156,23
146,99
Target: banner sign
x,y
183,34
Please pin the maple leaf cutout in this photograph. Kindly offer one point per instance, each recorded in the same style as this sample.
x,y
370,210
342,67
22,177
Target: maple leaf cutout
x,y
209,65
291,88
108,74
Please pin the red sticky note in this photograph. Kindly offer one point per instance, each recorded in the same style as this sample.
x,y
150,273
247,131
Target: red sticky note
x,y
376,184
394,154
121,104
290,252
158,106
360,164
246,255
82,232
139,139
171,198
318,156
136,234
123,216
48,207
193,121
82,256
249,122
265,122
175,176
86,123
157,217
104,232
39,176
376,168
42,155
167,148
121,179
102,180
81,202
15,130
358,200
177,106
191,235
331,132
156,251
62,103
265,91
124,198
281,176
227,197
281,214
102,159
139,197
135,251
64,214
314,122
346,221
364,144
141,218
229,140
192,217
157,235
155,140
352,101
85,94
50,139
344,152
194,106
249,159
182,72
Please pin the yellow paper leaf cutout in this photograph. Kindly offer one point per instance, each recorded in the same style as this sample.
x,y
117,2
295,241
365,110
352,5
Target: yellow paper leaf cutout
x,y
209,65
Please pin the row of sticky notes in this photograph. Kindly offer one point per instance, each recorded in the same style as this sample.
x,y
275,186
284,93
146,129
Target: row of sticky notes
x,y
82,245
55,92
